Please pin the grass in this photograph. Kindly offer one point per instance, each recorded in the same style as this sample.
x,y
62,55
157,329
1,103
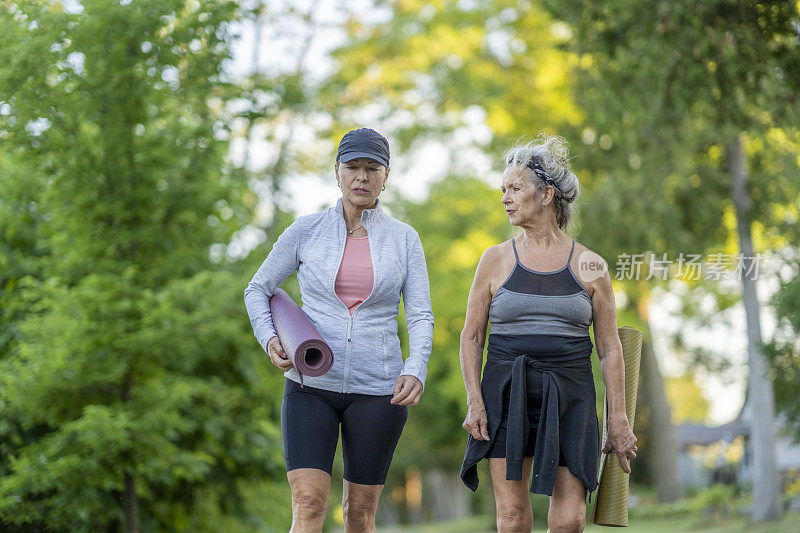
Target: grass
x,y
692,524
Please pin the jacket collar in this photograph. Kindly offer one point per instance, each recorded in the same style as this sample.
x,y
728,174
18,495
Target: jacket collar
x,y
367,215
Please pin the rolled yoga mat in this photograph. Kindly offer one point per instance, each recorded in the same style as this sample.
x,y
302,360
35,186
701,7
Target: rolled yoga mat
x,y
611,498
301,341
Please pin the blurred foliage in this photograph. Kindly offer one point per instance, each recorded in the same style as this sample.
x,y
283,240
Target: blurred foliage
x,y
686,399
705,504
664,87
124,346
454,242
127,371
433,66
783,352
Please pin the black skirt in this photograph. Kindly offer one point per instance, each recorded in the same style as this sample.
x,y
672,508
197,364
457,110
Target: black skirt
x,y
567,426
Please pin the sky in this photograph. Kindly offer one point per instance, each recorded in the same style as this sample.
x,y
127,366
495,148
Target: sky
x,y
726,336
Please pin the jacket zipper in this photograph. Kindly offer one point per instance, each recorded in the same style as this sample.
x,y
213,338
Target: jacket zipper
x,y
351,317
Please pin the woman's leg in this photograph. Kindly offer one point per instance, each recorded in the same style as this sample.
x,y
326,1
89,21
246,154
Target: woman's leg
x,y
512,498
310,430
359,505
310,498
567,512
371,428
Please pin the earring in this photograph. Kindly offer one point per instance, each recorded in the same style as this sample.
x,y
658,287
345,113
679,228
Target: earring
x,y
384,188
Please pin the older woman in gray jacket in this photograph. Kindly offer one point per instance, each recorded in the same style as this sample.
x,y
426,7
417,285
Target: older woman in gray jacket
x,y
353,263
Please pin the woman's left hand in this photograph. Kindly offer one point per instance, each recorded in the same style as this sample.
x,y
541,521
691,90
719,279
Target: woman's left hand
x,y
621,441
407,391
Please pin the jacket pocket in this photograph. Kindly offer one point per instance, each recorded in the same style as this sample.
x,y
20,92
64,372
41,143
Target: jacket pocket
x,y
385,357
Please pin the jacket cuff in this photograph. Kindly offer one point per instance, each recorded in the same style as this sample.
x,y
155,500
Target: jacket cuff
x,y
265,335
417,369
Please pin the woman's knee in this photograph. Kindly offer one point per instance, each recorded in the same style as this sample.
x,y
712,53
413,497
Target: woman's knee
x,y
358,514
310,503
566,522
514,517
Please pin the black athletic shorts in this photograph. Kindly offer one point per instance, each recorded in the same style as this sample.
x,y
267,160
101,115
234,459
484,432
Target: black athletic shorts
x,y
534,410
371,427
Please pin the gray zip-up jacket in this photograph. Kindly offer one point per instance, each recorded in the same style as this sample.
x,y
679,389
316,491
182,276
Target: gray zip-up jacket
x,y
366,349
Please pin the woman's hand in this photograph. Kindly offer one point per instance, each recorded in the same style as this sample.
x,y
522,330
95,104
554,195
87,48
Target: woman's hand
x,y
621,441
476,423
407,391
277,355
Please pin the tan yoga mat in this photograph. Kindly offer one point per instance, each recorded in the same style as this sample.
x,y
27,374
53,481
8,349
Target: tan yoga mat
x,y
610,506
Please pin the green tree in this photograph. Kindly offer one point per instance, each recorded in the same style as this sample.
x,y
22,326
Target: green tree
x,y
128,375
697,94
784,353
429,63
454,242
687,397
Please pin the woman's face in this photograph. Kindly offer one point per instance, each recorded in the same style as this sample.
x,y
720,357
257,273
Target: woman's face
x,y
361,180
520,198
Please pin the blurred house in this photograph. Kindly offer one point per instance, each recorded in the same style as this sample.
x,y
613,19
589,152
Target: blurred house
x,y
723,454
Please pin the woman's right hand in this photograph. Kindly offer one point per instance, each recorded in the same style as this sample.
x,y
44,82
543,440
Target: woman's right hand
x,y
476,422
277,355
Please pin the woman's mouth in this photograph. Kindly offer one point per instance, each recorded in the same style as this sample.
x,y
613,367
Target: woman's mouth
x,y
509,211
360,191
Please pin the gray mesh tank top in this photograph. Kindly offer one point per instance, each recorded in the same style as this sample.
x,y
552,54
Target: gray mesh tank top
x,y
544,303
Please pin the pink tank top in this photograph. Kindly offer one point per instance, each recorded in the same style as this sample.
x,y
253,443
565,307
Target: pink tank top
x,y
354,280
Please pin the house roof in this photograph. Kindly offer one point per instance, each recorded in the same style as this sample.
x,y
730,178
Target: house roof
x,y
697,434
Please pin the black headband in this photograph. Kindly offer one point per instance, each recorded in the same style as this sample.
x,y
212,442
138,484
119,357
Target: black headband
x,y
539,171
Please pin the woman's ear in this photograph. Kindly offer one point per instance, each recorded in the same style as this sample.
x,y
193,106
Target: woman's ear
x,y
548,193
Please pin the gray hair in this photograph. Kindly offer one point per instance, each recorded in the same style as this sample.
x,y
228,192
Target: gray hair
x,y
551,152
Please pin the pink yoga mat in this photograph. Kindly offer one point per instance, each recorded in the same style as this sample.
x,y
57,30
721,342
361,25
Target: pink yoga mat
x,y
301,341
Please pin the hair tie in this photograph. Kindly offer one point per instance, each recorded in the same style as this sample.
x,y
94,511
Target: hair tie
x,y
539,171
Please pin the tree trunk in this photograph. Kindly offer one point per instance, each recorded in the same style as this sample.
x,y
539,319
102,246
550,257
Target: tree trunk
x,y
445,495
766,492
661,439
130,501
131,505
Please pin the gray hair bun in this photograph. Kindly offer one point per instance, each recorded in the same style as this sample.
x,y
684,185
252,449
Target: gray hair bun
x,y
551,152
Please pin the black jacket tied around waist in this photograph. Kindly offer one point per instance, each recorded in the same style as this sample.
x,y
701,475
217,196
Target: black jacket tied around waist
x,y
568,419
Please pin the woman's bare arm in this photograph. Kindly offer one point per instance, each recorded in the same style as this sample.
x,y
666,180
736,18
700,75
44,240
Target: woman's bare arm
x,y
609,351
473,338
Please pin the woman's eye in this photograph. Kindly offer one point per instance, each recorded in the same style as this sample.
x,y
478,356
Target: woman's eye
x,y
516,188
373,169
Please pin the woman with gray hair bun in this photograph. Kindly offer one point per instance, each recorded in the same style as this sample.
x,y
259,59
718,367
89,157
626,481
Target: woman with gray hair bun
x,y
535,405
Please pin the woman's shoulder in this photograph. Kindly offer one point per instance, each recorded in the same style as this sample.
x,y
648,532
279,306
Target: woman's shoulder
x,y
310,220
319,216
498,255
588,266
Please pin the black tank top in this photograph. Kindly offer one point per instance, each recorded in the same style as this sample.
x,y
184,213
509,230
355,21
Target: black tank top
x,y
544,303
